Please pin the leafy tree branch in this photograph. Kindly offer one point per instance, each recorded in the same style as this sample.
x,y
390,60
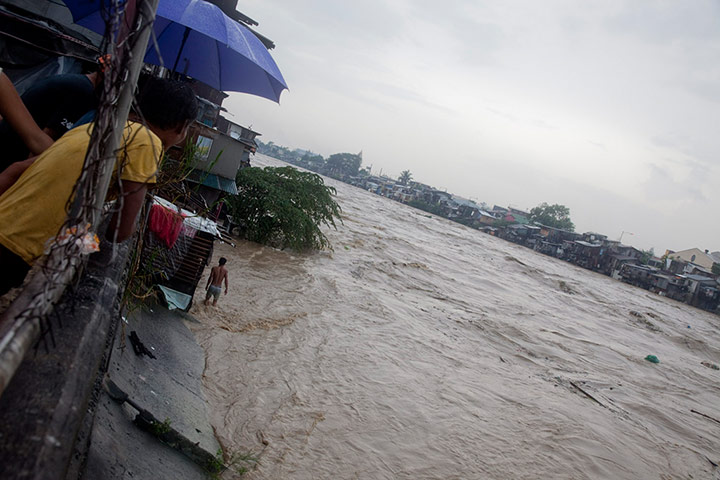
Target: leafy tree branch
x,y
284,207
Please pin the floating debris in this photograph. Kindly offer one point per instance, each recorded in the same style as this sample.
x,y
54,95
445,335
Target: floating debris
x,y
710,365
565,287
588,395
706,416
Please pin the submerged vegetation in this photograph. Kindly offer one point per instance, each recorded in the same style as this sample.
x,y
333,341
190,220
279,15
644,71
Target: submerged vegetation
x,y
284,207
240,463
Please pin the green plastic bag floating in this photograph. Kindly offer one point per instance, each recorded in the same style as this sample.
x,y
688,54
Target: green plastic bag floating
x,y
652,359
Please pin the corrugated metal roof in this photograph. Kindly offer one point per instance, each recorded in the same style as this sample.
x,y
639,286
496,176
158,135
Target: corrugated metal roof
x,y
698,278
587,244
191,219
465,201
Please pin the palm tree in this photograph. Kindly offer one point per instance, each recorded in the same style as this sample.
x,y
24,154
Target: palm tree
x,y
405,177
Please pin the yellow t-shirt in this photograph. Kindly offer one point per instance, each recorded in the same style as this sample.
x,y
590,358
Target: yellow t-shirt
x,y
34,208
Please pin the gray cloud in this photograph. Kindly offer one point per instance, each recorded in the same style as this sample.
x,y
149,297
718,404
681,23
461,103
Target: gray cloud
x,y
666,22
662,187
701,152
518,91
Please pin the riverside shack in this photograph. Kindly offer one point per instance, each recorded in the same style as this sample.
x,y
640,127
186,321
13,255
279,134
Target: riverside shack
x,y
178,244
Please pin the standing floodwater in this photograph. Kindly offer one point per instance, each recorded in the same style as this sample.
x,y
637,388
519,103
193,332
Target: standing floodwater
x,y
423,349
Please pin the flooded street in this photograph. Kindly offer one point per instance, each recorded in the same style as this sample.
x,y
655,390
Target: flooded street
x,y
423,349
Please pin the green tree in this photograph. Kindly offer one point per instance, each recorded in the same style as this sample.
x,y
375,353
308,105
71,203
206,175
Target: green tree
x,y
405,177
557,216
646,255
342,164
284,207
716,268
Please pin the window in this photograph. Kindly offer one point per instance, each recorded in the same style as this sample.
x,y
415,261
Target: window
x,y
692,259
203,147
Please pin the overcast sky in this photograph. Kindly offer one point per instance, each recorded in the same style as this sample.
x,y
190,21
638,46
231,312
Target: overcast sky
x,y
611,107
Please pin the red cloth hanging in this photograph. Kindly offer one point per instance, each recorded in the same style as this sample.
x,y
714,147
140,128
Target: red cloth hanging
x,y
165,224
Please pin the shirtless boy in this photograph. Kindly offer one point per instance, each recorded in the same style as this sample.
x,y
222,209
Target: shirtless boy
x,y
214,285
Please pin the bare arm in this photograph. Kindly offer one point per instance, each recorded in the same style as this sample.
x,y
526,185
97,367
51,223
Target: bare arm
x,y
13,111
226,280
210,278
10,175
122,223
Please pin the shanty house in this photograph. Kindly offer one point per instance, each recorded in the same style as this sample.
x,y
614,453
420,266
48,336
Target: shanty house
x,y
177,246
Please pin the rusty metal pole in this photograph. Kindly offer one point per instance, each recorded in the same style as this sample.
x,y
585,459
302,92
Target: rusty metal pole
x,y
146,15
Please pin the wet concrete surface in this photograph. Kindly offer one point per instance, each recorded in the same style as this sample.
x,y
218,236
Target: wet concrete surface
x,y
169,387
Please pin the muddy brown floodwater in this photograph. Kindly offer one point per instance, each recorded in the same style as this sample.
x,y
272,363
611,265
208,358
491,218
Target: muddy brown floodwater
x,y
421,349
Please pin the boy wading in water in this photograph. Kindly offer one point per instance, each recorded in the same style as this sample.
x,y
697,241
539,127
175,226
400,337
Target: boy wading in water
x,y
214,285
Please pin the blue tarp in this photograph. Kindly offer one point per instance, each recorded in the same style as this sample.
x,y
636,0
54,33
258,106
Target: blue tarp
x,y
175,299
213,181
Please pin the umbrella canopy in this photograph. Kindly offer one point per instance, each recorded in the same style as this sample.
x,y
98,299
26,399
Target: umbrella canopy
x,y
196,38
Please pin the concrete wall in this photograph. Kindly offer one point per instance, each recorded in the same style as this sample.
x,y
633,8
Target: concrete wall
x,y
44,407
229,154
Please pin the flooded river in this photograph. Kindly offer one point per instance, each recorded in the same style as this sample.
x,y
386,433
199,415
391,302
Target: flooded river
x,y
422,349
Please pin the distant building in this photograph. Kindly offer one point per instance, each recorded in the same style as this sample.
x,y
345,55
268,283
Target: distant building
x,y
695,255
497,209
595,238
486,218
557,235
517,212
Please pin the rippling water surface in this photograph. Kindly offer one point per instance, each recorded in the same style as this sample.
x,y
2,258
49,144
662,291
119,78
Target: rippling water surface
x,y
423,349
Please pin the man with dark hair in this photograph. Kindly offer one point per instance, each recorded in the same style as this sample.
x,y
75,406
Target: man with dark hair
x,y
33,209
55,103
215,280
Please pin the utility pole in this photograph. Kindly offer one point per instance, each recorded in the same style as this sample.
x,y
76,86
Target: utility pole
x,y
623,233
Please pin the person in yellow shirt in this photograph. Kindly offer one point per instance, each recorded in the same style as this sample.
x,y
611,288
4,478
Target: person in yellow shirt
x,y
34,208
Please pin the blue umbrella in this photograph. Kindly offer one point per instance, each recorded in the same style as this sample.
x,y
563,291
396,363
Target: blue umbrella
x,y
196,38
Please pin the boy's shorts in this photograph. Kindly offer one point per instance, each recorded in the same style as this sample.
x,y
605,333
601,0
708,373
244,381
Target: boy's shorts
x,y
214,291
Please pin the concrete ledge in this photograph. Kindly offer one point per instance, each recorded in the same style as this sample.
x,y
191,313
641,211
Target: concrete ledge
x,y
44,405
168,386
